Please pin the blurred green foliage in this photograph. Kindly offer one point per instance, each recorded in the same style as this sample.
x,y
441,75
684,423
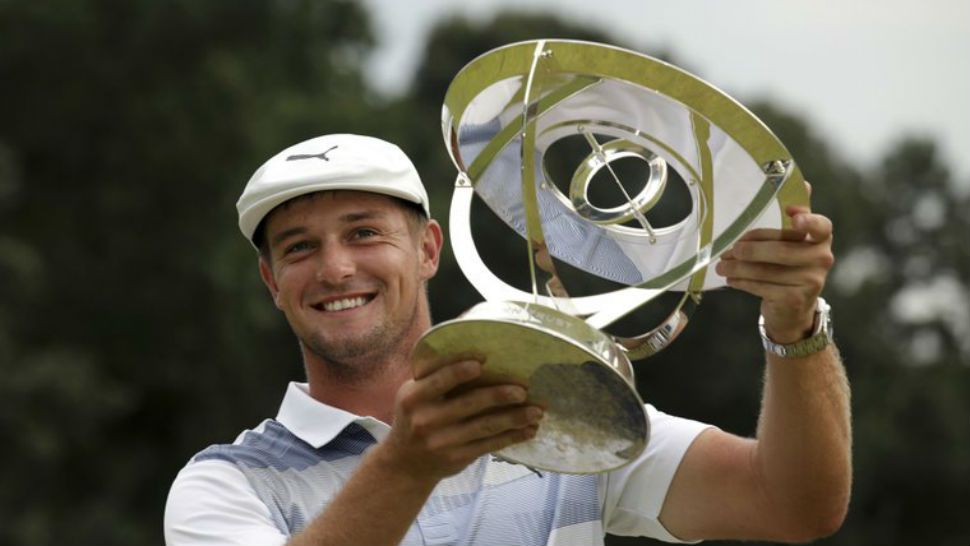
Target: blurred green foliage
x,y
134,330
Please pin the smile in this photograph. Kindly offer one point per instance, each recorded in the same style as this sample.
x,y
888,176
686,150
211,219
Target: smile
x,y
342,304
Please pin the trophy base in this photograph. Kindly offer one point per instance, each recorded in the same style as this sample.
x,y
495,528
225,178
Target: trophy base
x,y
594,420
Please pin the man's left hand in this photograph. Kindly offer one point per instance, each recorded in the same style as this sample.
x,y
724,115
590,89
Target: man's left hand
x,y
786,268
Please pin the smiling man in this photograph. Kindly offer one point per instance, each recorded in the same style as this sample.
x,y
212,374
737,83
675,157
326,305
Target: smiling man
x,y
364,454
347,268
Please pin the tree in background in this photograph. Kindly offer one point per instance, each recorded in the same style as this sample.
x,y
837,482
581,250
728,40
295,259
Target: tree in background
x,y
130,324
134,330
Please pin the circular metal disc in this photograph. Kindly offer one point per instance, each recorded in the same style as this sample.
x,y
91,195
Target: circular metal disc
x,y
594,420
507,108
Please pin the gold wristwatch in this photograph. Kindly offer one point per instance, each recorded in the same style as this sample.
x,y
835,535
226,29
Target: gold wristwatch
x,y
820,337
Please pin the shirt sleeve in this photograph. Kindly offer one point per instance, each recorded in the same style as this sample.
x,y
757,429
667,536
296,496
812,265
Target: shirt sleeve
x,y
635,493
211,503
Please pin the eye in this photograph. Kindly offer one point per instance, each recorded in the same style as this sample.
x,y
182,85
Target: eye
x,y
364,233
298,246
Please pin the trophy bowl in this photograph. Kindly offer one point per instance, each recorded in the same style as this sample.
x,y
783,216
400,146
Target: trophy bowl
x,y
593,418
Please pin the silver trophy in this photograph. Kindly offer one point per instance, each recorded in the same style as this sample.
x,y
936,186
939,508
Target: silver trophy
x,y
505,114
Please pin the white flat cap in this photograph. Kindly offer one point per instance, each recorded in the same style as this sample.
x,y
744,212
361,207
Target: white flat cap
x,y
329,162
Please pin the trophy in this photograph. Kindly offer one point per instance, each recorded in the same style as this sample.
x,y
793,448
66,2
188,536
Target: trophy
x,y
505,115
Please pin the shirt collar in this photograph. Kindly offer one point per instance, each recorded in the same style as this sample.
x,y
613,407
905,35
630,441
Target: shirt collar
x,y
317,423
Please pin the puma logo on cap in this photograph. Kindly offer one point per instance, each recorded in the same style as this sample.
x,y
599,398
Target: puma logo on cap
x,y
322,155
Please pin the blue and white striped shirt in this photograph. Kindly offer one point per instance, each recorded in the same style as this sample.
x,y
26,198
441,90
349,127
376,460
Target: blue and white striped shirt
x,y
268,484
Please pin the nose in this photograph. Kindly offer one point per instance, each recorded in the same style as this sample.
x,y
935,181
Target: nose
x,y
336,264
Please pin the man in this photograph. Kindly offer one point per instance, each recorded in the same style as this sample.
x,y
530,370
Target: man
x,y
363,454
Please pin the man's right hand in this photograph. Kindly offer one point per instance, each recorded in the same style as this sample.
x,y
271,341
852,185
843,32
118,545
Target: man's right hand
x,y
442,423
437,433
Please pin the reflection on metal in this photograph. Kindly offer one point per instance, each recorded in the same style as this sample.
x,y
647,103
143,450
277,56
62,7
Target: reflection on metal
x,y
635,207
654,341
502,114
593,421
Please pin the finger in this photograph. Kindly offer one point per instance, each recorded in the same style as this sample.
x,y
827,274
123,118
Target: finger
x,y
808,188
753,272
818,227
543,260
476,449
772,234
802,220
476,401
777,252
768,290
790,279
487,425
444,379
757,235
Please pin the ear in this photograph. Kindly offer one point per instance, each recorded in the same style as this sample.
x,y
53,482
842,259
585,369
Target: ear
x,y
430,249
266,273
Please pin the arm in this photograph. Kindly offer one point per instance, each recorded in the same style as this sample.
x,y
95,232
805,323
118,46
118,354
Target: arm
x,y
792,482
433,437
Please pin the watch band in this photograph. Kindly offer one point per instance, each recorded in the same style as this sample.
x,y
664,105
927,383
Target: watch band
x,y
820,337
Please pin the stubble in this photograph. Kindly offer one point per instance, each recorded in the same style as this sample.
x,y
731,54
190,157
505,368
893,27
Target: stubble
x,y
365,357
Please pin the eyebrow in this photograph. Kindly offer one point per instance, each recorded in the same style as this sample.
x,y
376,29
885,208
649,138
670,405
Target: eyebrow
x,y
351,217
287,233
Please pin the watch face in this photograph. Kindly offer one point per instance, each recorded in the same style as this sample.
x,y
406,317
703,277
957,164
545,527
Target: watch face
x,y
824,318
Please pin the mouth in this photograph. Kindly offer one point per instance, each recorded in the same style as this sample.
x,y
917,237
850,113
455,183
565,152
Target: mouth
x,y
343,304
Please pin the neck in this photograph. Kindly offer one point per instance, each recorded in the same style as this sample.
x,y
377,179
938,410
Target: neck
x,y
373,396
374,393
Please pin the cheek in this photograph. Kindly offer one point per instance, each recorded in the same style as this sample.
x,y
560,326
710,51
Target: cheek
x,y
409,277
289,281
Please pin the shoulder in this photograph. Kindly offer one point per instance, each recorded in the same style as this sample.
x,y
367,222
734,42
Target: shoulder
x,y
670,438
268,478
228,490
635,494
213,494
273,446
211,502
268,445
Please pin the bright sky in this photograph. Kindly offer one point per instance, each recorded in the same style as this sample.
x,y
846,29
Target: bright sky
x,y
863,72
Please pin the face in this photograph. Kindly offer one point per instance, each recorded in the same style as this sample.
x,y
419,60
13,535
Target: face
x,y
348,271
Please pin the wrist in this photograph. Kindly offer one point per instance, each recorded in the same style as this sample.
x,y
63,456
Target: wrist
x,y
792,333
393,468
805,343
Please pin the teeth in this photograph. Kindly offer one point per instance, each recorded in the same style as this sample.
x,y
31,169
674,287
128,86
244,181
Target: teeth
x,y
346,303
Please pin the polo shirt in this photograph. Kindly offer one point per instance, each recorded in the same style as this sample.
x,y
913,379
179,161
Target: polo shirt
x,y
271,482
